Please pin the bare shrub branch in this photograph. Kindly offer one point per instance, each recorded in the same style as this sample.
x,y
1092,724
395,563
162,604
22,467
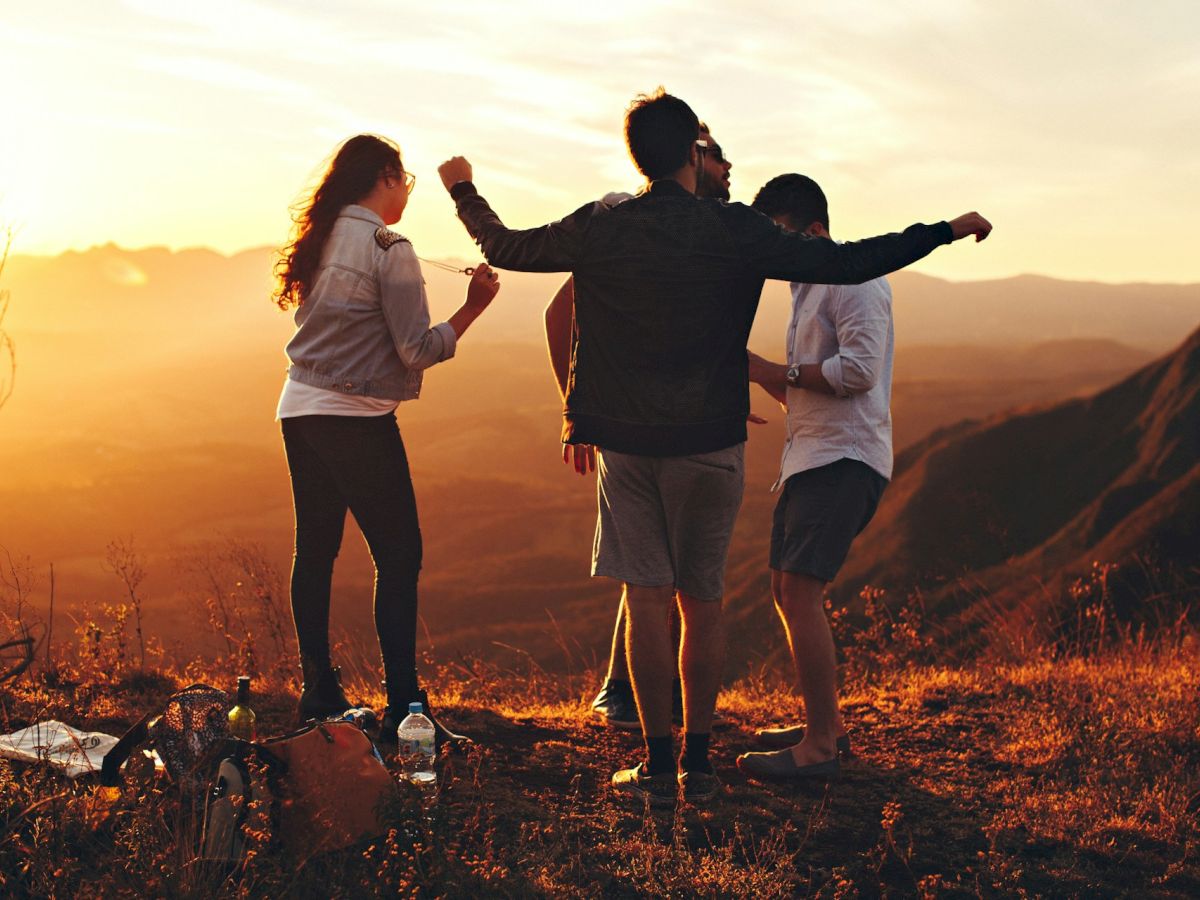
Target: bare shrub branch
x,y
243,600
122,560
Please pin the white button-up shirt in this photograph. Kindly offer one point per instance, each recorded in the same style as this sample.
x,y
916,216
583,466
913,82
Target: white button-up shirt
x,y
848,330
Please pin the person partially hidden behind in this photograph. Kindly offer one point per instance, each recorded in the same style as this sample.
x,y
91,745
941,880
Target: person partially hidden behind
x,y
666,287
614,704
836,387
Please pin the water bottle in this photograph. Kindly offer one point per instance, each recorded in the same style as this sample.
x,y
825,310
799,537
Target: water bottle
x,y
415,739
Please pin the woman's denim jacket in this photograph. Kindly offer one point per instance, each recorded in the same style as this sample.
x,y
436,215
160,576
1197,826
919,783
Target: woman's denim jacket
x,y
364,326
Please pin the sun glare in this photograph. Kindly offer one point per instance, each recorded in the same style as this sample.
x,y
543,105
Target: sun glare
x,y
125,273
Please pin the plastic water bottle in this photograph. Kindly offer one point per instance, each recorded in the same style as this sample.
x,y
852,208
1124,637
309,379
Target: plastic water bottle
x,y
415,739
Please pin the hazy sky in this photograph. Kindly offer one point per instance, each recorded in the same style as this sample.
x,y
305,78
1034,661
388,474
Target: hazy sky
x,y
1074,126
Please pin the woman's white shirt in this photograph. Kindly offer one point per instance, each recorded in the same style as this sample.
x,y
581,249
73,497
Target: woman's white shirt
x,y
300,399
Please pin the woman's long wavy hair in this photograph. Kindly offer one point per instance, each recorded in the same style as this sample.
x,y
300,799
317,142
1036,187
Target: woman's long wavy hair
x,y
352,175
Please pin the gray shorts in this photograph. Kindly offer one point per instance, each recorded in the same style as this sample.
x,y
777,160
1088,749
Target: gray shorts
x,y
668,520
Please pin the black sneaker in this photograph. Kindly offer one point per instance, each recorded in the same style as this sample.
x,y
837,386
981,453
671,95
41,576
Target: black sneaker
x,y
615,706
657,790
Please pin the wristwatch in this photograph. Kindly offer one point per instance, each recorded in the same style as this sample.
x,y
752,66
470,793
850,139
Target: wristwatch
x,y
793,375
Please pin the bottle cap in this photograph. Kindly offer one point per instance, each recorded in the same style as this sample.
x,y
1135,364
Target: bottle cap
x,y
415,708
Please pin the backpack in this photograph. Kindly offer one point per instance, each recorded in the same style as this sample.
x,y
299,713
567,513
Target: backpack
x,y
188,734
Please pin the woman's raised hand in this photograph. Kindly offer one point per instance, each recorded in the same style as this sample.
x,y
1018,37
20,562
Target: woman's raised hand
x,y
485,284
482,288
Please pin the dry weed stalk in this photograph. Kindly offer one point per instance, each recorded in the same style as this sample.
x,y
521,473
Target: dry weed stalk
x,y
124,562
244,598
16,585
16,632
885,638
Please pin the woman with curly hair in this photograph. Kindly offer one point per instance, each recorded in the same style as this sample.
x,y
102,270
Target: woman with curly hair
x,y
363,340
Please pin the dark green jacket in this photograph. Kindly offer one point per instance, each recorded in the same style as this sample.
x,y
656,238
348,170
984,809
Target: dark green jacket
x,y
666,287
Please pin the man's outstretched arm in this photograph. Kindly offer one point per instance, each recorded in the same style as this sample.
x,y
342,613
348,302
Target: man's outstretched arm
x,y
790,256
549,248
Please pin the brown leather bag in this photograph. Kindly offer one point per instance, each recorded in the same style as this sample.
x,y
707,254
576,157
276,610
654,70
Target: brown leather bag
x,y
332,788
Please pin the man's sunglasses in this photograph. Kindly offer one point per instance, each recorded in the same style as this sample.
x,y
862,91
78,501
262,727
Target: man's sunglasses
x,y
712,147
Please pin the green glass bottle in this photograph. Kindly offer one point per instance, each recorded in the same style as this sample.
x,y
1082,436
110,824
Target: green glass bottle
x,y
241,717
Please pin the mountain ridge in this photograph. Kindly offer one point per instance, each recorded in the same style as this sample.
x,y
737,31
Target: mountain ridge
x,y
929,310
1018,504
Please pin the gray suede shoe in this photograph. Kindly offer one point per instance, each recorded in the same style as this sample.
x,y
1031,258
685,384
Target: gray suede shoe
x,y
778,765
657,790
790,735
699,787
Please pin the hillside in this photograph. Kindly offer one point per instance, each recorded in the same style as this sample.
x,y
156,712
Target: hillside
x,y
1051,777
1015,506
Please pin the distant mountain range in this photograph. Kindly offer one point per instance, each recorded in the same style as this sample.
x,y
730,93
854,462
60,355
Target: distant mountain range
x,y
173,295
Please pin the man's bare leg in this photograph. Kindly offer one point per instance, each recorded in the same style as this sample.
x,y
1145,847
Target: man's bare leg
x,y
652,665
800,602
701,660
618,669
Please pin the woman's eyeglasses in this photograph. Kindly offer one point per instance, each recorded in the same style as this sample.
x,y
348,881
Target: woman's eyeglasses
x,y
410,180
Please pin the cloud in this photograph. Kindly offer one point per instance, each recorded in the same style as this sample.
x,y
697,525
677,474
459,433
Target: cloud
x,y
1038,111
224,73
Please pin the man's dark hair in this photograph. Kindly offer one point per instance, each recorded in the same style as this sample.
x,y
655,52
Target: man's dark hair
x,y
796,196
659,131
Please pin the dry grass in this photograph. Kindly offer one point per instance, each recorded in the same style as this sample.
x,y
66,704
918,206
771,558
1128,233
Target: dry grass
x,y
1065,774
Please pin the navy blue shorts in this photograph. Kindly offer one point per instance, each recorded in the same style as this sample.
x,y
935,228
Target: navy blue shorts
x,y
819,514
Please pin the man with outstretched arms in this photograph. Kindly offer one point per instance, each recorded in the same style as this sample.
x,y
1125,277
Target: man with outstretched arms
x,y
666,287
614,704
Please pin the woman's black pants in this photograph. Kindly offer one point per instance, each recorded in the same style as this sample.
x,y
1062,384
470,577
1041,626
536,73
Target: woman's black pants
x,y
356,463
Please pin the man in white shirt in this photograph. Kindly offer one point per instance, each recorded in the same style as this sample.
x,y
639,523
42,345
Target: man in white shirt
x,y
837,460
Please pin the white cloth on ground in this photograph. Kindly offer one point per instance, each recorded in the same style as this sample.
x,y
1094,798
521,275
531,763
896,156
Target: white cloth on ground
x,y
76,752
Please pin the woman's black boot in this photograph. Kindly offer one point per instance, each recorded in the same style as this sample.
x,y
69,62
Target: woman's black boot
x,y
322,695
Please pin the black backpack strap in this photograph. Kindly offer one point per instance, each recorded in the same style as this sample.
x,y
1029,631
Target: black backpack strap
x,y
110,769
